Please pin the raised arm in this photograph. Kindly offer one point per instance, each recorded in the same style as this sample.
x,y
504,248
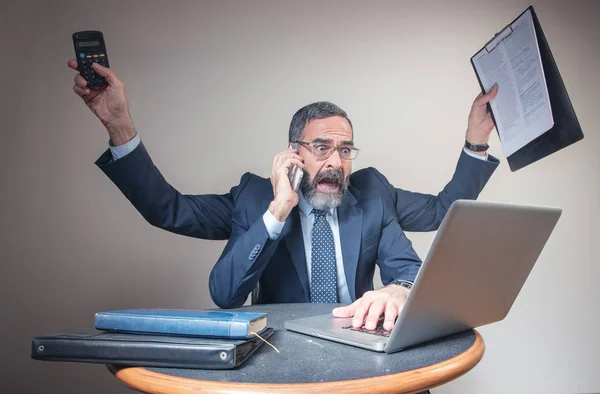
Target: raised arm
x,y
424,212
201,216
205,216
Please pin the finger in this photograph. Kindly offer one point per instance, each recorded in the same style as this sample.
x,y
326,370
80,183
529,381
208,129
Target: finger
x,y
298,162
274,163
296,156
360,312
391,313
287,154
345,311
375,311
280,174
491,93
285,166
108,74
81,91
80,81
483,99
279,158
72,64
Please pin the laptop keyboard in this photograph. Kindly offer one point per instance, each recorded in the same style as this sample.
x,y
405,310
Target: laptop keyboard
x,y
379,330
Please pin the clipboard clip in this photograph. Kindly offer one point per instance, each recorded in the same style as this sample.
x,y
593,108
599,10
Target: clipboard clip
x,y
499,38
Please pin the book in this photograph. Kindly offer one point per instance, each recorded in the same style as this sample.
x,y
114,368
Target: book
x,y
201,323
93,346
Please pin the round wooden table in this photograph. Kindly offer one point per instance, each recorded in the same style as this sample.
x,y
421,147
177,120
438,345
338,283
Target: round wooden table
x,y
312,365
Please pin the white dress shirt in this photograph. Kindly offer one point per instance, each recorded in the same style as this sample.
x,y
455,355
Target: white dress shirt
x,y
307,219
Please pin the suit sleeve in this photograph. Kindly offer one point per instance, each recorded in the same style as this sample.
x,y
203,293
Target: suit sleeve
x,y
201,216
396,257
241,264
424,212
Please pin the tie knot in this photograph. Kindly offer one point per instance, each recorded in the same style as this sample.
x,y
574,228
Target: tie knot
x,y
319,213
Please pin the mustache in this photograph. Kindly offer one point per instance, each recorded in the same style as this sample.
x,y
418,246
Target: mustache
x,y
329,174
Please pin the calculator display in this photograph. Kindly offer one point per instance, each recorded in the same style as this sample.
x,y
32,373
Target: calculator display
x,y
83,44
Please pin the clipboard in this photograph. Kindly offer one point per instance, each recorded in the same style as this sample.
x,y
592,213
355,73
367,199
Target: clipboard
x,y
566,129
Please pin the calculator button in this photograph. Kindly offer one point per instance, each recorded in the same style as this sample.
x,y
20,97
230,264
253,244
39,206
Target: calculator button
x,y
82,55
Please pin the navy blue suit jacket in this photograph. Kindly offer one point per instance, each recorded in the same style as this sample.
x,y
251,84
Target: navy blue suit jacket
x,y
372,218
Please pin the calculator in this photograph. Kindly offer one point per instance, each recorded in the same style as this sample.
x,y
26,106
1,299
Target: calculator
x,y
90,48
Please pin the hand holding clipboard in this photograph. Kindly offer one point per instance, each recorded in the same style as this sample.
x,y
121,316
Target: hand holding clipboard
x,y
533,114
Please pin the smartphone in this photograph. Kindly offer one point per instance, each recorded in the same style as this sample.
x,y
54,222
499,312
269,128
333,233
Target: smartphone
x,y
295,173
90,48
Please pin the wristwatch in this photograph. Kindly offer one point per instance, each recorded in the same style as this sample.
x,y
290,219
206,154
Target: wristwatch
x,y
476,148
402,283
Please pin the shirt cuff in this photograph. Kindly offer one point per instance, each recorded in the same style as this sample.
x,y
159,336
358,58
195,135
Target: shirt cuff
x,y
125,149
274,226
472,154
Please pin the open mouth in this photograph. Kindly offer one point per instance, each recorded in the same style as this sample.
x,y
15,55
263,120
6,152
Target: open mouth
x,y
328,185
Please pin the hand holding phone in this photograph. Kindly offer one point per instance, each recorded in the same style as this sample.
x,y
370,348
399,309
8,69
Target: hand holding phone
x,y
285,196
295,173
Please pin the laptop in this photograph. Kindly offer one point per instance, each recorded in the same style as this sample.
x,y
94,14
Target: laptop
x,y
475,268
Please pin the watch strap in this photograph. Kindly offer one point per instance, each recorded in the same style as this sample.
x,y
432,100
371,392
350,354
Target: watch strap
x,y
402,283
476,148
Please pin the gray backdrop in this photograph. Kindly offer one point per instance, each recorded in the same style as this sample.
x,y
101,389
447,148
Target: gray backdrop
x,y
213,86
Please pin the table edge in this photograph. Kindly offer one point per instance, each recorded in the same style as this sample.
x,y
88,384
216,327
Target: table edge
x,y
415,380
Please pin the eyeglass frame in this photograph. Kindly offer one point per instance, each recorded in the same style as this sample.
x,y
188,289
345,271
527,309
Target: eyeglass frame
x,y
335,148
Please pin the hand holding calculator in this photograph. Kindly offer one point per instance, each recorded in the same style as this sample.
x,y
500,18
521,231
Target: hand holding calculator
x,y
89,49
99,87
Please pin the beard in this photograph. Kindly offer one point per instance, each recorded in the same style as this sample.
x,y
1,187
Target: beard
x,y
320,200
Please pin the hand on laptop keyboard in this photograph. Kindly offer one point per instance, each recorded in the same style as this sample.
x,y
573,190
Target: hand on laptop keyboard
x,y
379,330
385,302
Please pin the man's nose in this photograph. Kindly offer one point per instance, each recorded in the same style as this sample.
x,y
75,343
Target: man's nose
x,y
334,161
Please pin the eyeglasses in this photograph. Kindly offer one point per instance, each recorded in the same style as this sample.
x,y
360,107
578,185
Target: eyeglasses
x,y
323,151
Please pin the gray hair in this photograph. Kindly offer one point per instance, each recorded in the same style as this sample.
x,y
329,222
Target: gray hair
x,y
318,110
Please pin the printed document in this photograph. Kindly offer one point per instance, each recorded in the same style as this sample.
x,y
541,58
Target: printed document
x,y
522,107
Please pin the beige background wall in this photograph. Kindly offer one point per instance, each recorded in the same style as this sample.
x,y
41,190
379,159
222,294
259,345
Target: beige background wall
x,y
213,86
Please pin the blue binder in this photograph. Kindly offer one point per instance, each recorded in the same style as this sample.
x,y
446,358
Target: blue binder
x,y
200,323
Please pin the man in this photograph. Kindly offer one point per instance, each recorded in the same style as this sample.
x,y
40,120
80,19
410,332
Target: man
x,y
359,219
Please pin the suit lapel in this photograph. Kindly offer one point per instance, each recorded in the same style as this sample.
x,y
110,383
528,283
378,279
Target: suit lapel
x,y
294,240
350,221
